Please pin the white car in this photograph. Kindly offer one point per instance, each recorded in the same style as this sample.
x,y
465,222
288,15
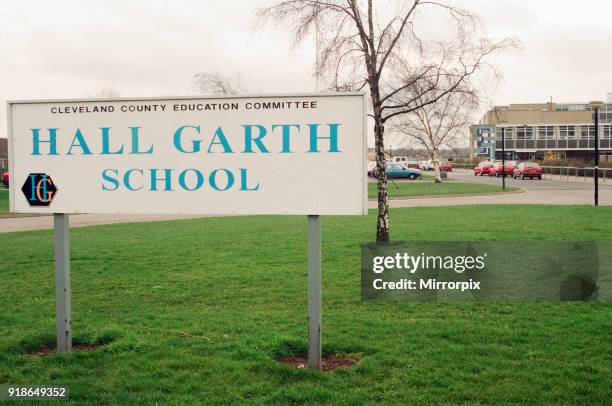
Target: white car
x,y
371,168
426,165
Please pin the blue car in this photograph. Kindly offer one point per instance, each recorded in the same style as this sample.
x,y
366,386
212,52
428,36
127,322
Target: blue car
x,y
399,171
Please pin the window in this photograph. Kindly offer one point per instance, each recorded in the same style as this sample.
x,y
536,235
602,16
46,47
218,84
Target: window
x,y
607,132
603,117
606,114
546,133
587,131
509,133
520,133
485,133
524,133
567,132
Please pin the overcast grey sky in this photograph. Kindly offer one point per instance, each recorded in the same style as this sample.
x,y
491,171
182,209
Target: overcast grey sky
x,y
74,48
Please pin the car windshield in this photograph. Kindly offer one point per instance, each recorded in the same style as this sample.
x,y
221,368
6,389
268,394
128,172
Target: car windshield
x,y
532,165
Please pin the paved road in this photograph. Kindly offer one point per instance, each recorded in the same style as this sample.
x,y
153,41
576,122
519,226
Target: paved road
x,y
532,184
535,192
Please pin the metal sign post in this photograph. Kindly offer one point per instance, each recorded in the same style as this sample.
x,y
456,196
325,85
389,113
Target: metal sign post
x,y
63,314
314,292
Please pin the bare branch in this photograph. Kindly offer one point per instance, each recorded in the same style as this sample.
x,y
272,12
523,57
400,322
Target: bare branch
x,y
406,74
398,35
215,84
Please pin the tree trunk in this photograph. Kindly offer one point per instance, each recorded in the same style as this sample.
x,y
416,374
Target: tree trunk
x,y
436,162
382,225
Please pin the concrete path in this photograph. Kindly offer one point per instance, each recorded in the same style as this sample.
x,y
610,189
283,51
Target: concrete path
x,y
548,196
554,192
8,225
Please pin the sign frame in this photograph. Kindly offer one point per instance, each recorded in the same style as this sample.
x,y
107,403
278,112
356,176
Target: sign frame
x,y
364,136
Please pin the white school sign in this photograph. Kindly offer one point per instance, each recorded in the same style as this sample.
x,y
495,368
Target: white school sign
x,y
272,154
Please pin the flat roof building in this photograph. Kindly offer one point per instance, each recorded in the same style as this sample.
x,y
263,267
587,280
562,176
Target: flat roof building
x,y
531,130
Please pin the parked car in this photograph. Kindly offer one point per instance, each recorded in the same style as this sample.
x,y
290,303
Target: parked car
x,y
498,170
426,165
397,171
372,169
483,168
5,178
528,170
446,166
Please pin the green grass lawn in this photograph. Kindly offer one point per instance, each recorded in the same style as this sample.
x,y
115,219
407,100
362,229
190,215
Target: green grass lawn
x,y
4,200
241,283
422,188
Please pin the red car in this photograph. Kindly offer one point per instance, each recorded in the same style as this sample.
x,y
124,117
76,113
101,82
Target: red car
x,y
446,166
528,170
498,170
483,168
5,179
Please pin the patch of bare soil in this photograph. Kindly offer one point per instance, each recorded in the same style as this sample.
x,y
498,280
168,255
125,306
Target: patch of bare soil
x,y
328,362
44,350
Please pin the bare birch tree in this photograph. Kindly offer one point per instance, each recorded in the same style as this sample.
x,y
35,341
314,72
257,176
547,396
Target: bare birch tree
x,y
213,83
439,124
361,46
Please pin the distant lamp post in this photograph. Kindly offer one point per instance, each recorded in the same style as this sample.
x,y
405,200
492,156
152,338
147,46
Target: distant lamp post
x,y
595,106
502,120
503,158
